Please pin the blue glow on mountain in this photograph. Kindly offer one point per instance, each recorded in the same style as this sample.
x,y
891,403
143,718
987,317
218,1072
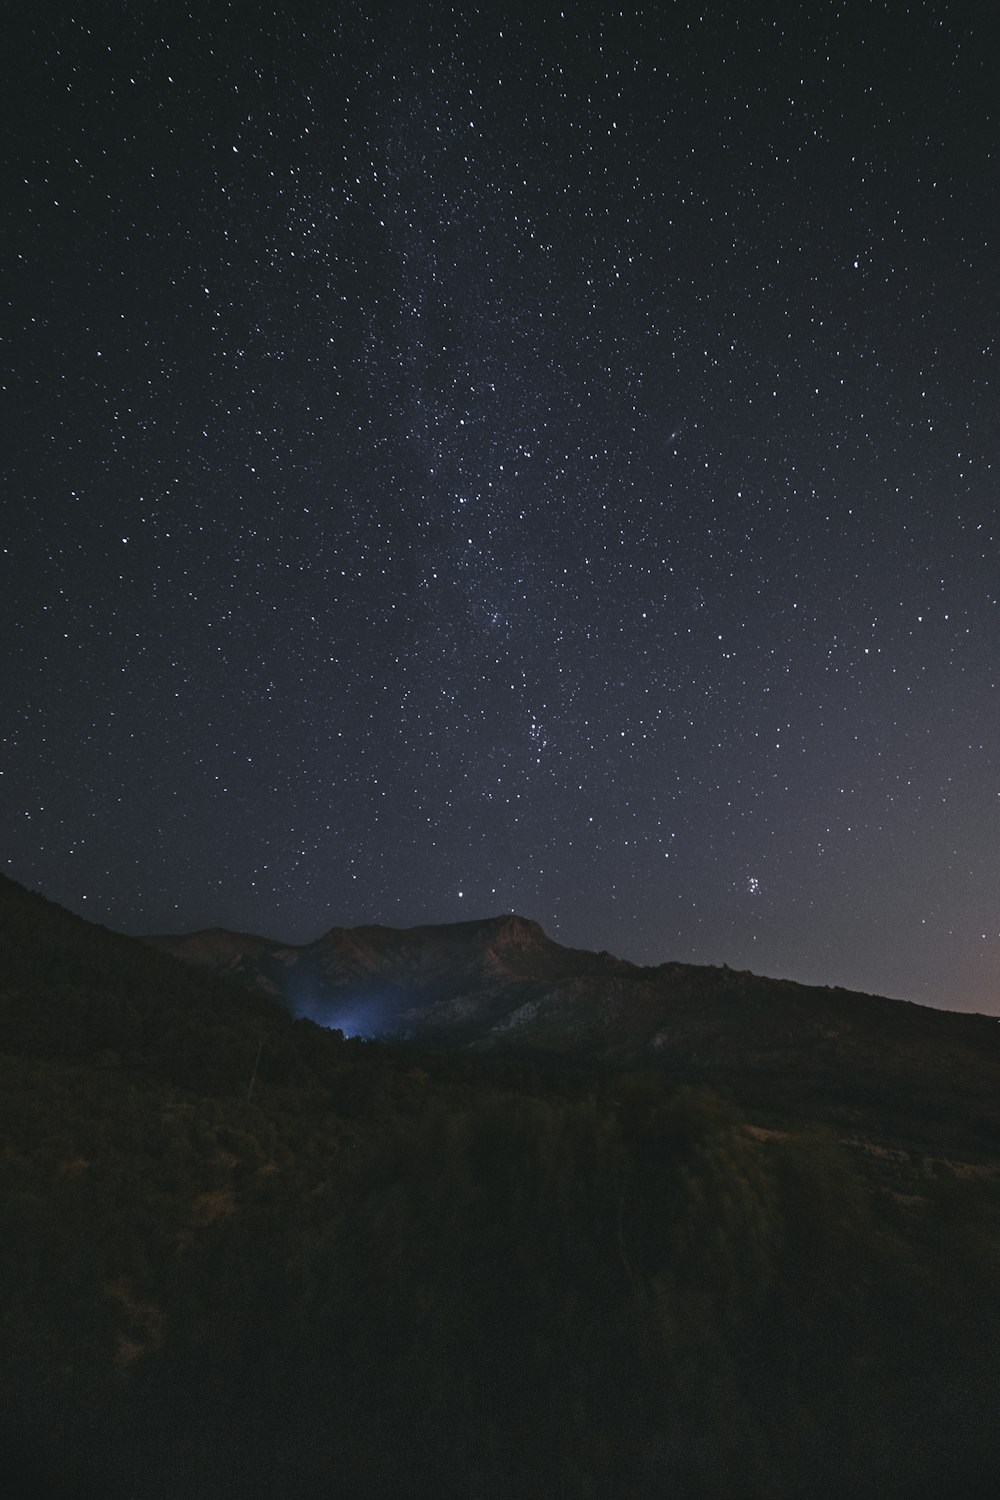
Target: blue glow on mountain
x,y
365,1016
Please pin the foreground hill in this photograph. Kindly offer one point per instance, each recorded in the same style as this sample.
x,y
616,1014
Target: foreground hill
x,y
245,1257
501,985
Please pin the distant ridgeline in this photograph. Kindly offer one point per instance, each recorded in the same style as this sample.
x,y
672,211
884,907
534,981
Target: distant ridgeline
x,y
501,984
525,1249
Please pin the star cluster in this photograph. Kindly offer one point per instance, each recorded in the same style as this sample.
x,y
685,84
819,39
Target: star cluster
x,y
472,458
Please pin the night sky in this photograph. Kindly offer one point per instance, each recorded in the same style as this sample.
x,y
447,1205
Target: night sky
x,y
471,459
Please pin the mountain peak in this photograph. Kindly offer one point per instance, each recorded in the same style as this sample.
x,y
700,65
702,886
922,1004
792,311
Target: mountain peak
x,y
511,925
506,927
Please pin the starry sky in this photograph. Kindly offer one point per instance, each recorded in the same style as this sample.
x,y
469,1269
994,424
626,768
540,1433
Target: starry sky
x,y
475,458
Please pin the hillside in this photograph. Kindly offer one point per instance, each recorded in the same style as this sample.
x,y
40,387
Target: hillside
x,y
501,985
244,1256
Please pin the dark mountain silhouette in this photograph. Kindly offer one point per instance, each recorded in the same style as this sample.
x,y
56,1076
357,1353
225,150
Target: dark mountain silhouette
x,y
527,1252
501,985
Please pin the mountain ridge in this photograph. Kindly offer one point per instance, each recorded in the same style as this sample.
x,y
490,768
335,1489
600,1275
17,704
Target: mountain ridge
x,y
501,985
224,1222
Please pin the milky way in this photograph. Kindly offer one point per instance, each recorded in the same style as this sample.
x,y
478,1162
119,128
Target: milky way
x,y
477,459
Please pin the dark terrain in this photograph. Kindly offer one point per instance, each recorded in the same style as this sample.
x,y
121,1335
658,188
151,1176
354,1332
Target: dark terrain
x,y
912,1075
580,1229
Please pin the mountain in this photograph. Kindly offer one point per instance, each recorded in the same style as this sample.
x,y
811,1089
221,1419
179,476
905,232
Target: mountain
x,y
501,985
466,982
244,1255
